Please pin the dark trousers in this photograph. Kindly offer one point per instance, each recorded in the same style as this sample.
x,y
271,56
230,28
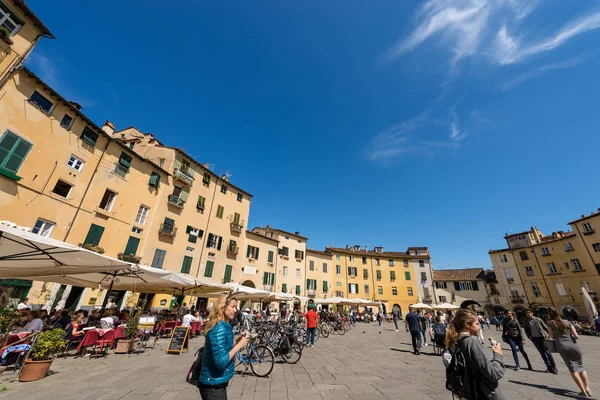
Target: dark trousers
x,y
540,345
424,331
416,340
514,343
310,335
396,323
216,392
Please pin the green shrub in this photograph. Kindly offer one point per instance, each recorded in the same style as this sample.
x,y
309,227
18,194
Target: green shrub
x,y
48,344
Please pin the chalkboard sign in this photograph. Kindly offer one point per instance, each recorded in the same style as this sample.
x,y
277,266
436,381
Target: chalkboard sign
x,y
179,340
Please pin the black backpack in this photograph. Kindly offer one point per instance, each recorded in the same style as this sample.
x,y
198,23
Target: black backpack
x,y
456,373
193,375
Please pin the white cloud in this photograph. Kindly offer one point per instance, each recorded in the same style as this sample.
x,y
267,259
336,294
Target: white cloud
x,y
489,29
534,73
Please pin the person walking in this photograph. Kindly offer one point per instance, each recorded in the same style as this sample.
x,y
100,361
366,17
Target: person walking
x,y
219,350
425,327
379,318
412,323
395,318
513,335
565,338
496,322
537,331
311,326
482,374
437,334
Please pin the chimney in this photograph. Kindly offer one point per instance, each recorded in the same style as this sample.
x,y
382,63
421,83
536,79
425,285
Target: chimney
x,y
297,233
366,249
225,178
108,127
356,247
205,165
77,106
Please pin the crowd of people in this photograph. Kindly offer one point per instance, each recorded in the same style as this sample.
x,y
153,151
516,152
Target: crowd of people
x,y
481,374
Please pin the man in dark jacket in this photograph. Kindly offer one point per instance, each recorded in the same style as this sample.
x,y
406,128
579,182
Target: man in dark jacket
x,y
413,325
537,331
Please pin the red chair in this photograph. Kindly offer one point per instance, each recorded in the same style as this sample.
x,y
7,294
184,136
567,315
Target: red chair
x,y
104,343
196,328
168,328
90,339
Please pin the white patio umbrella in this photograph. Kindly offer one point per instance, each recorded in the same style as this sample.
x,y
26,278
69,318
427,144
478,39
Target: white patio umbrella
x,y
279,297
331,300
590,307
26,255
446,306
421,306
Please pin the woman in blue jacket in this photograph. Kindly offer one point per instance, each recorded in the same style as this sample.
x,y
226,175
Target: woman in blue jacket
x,y
219,351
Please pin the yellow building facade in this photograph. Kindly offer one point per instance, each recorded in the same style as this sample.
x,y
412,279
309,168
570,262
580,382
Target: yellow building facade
x,y
554,268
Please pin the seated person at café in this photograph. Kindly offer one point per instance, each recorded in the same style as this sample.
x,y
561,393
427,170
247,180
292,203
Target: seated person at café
x,y
107,321
73,329
124,316
33,324
44,317
93,318
115,317
188,319
63,320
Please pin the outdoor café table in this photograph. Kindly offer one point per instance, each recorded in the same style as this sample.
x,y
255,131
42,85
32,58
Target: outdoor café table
x,y
91,337
15,337
196,327
120,332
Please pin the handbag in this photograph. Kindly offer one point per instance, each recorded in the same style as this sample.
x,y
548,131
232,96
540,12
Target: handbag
x,y
551,345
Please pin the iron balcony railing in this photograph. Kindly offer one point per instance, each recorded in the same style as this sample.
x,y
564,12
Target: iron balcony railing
x,y
183,176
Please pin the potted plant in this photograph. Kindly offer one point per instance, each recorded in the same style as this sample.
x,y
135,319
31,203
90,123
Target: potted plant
x,y
47,344
8,317
5,35
130,342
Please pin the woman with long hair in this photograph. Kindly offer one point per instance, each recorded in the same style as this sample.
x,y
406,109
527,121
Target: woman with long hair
x,y
482,375
565,337
219,351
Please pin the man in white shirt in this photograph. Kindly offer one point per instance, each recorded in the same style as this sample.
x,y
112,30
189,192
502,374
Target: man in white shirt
x,y
23,305
34,323
188,319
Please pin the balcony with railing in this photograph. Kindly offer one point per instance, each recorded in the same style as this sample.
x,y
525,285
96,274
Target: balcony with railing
x,y
184,176
428,300
176,201
232,250
236,227
167,230
268,288
311,292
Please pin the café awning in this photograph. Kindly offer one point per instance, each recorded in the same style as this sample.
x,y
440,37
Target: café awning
x,y
26,255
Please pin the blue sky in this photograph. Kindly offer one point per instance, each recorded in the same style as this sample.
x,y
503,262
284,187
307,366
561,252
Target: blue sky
x,y
425,123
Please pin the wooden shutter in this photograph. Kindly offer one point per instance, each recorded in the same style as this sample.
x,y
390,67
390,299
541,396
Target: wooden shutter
x,y
297,289
474,284
184,194
219,243
186,265
159,258
249,251
307,284
407,275
349,271
392,274
365,273
209,269
265,278
256,255
378,274
132,245
89,136
125,160
94,235
13,151
456,286
284,287
154,180
325,287
228,269
270,257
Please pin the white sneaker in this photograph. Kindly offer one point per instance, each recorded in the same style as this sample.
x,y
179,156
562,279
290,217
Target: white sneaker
x,y
425,345
396,330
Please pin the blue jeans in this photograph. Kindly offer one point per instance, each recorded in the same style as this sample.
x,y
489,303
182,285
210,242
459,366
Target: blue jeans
x,y
540,345
310,335
514,343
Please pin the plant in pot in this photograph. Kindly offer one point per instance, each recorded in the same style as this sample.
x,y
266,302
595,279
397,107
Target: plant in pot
x,y
131,330
47,345
8,317
5,35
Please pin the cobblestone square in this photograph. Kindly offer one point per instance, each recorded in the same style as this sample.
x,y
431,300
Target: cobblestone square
x,y
368,363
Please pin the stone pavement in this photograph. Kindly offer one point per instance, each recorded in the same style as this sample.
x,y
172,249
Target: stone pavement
x,y
368,363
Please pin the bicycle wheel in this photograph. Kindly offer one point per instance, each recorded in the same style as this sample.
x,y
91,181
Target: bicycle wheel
x,y
341,330
294,355
261,361
325,330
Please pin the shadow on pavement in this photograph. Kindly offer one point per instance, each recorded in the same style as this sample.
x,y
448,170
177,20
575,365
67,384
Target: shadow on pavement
x,y
411,352
557,391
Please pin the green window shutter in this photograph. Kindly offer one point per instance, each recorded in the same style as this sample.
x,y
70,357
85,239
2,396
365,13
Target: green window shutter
x,y
248,251
187,263
89,136
94,235
297,289
307,284
378,274
271,255
392,275
125,160
325,287
188,229
220,241
228,269
257,251
407,275
365,273
159,258
209,269
192,238
284,287
154,180
349,286
132,245
201,203
13,150
265,278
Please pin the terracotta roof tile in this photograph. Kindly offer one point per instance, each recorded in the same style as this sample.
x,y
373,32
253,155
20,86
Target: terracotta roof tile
x,y
467,274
